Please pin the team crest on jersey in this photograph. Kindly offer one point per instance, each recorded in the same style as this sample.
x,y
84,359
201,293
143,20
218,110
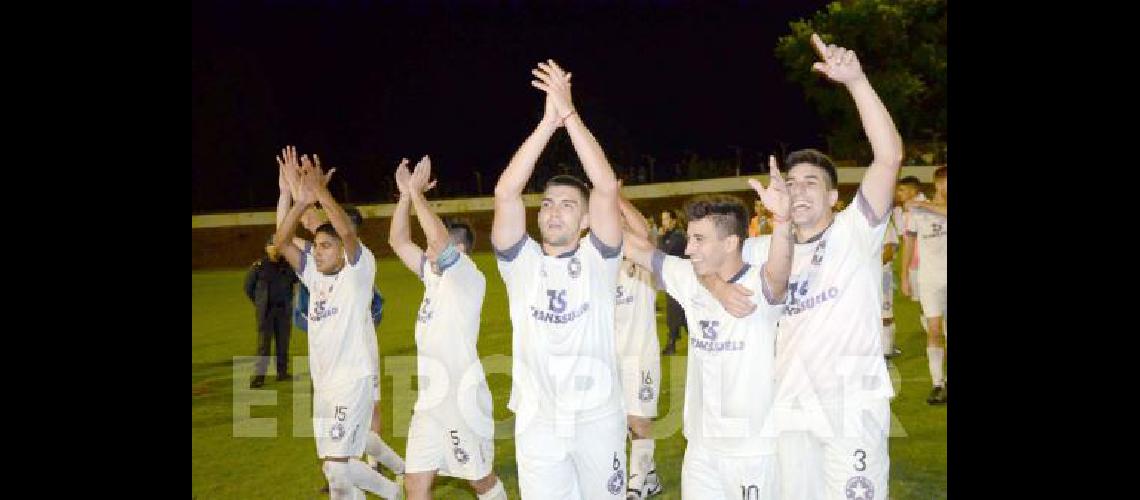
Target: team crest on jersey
x,y
574,267
336,432
860,488
425,312
708,329
460,455
631,271
646,393
616,482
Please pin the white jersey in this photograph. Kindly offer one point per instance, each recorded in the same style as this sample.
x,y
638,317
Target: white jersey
x,y
634,315
342,338
830,332
888,278
929,229
562,314
728,385
901,220
447,330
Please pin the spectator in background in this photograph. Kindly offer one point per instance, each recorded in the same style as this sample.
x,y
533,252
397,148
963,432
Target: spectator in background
x,y
760,223
654,231
269,285
673,242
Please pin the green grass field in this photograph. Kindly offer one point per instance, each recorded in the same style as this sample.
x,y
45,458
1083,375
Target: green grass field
x,y
274,454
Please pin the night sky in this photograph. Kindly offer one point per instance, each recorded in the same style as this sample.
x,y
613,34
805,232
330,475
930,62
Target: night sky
x,y
363,84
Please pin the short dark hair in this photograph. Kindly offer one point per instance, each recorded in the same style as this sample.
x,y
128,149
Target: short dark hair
x,y
354,215
912,181
461,232
940,172
328,229
569,180
728,213
814,157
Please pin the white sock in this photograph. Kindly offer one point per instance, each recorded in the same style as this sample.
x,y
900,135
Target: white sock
x,y
495,493
340,484
934,357
368,479
640,461
888,338
378,449
352,493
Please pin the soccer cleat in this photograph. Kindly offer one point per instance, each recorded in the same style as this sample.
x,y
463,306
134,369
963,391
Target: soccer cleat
x,y
257,381
632,493
652,484
937,396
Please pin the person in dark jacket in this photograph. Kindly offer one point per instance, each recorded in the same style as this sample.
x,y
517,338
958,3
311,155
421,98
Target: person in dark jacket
x,y
269,285
673,242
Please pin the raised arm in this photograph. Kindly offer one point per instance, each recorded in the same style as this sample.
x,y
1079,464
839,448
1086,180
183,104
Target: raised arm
x,y
509,223
605,216
284,198
290,167
283,238
639,249
312,177
779,264
432,225
635,223
842,66
399,234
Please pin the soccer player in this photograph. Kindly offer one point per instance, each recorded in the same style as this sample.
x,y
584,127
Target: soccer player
x,y
377,451
927,234
731,451
909,188
565,393
635,324
339,272
449,433
832,387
